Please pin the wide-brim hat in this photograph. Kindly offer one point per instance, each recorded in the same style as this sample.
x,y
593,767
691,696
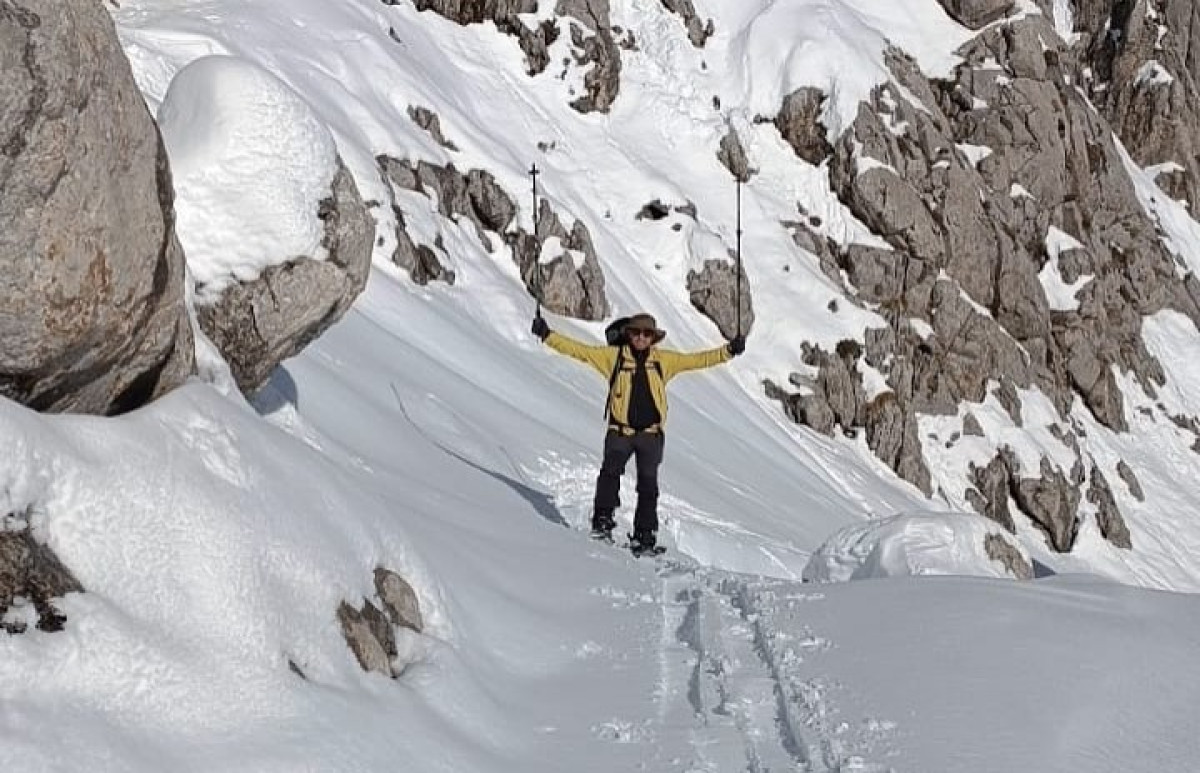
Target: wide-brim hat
x,y
645,322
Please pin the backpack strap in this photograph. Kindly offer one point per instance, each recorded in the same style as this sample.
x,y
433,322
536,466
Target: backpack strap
x,y
612,381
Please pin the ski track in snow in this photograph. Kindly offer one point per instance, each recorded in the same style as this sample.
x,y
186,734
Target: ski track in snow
x,y
739,674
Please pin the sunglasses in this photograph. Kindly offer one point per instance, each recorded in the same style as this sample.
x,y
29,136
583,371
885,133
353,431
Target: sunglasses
x,y
637,331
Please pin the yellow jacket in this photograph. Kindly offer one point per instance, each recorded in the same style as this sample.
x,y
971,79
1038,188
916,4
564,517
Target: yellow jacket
x,y
661,366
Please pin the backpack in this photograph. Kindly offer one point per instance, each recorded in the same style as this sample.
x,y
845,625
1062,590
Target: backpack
x,y
614,334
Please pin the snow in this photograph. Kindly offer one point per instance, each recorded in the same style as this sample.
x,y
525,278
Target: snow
x,y
1059,294
1064,20
430,433
1153,73
251,163
975,154
911,545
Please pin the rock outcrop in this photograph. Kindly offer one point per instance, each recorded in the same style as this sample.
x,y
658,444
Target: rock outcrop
x,y
993,190
557,264
258,324
976,13
593,39
371,631
31,578
91,272
698,31
1138,62
715,292
799,123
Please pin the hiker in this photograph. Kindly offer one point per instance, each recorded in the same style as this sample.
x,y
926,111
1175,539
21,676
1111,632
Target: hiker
x,y
636,411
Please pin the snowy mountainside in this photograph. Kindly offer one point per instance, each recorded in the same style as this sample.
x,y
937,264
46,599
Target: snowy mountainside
x,y
429,433
366,68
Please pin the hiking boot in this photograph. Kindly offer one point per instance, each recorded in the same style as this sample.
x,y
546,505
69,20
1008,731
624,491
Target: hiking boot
x,y
643,542
602,526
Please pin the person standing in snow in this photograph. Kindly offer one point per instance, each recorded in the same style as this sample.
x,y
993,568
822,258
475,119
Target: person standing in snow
x,y
636,410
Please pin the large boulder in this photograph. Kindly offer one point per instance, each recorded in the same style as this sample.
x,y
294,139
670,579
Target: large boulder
x,y
279,241
257,325
91,273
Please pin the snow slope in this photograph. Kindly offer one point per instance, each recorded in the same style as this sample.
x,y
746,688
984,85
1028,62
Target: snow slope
x,y
428,432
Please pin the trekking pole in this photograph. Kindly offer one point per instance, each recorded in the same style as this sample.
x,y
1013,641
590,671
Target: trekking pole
x,y
537,267
739,256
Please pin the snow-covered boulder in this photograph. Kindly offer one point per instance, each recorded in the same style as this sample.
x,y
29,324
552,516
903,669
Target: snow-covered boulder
x,y
912,544
91,274
277,236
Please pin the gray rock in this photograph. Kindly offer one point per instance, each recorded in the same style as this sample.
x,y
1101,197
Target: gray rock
x,y
1108,516
1007,555
474,195
991,494
31,576
360,635
1142,71
1131,481
715,293
430,122
602,82
1052,503
698,32
733,157
976,13
371,631
892,435
258,324
399,600
799,123
91,272
571,283
476,11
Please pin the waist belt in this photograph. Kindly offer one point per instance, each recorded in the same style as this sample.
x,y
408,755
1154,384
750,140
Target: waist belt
x,y
626,430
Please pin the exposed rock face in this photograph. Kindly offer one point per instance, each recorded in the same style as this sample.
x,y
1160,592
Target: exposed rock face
x,y
1006,554
1144,75
561,267
603,81
716,293
1108,517
558,265
592,37
1131,481
698,32
31,577
429,121
258,324
991,183
476,11
1052,502
371,631
732,156
91,272
976,13
799,123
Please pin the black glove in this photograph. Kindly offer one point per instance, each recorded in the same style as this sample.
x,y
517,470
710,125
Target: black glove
x,y
540,328
737,344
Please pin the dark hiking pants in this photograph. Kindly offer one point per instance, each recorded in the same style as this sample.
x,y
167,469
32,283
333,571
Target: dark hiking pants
x,y
648,448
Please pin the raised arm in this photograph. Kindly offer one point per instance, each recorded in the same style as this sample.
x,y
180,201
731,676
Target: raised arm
x,y
675,363
600,358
